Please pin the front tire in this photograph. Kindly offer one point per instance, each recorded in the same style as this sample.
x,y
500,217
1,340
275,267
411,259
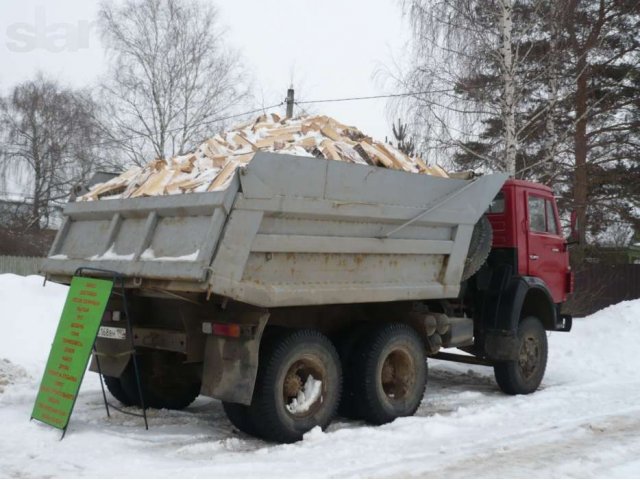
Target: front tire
x,y
298,386
524,375
389,373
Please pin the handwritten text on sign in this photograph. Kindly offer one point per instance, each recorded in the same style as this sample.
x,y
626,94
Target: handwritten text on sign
x,y
70,351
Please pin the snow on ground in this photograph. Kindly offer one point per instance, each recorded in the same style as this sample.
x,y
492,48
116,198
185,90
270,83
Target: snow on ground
x,y
583,422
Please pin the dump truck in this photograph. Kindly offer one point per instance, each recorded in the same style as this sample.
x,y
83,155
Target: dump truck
x,y
310,288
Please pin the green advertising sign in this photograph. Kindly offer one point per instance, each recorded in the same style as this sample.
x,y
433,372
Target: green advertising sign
x,y
71,349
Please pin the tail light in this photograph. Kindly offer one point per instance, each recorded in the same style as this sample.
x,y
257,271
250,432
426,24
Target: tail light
x,y
232,330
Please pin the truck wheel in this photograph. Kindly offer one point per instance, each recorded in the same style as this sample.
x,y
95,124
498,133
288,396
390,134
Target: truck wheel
x,y
346,343
389,373
165,380
479,247
298,386
114,386
522,376
240,417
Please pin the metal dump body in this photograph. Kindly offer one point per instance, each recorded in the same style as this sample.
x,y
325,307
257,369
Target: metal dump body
x,y
287,231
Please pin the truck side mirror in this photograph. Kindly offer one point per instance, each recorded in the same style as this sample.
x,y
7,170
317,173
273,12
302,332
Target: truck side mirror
x,y
574,236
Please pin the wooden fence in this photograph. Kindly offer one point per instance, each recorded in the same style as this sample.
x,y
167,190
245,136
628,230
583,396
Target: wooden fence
x,y
598,286
20,265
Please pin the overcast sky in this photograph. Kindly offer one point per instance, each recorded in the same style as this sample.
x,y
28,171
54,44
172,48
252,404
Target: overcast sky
x,y
327,48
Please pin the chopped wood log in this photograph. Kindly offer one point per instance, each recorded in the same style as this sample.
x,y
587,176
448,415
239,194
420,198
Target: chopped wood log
x,y
307,142
328,131
310,127
212,165
223,176
155,184
243,159
439,171
241,141
191,185
329,150
267,142
185,165
363,153
391,157
376,155
422,167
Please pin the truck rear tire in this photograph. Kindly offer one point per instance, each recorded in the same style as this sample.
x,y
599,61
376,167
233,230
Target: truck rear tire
x,y
114,386
346,342
165,380
524,375
240,417
389,373
288,399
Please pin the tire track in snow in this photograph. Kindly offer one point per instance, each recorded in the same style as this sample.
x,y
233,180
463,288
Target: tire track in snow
x,y
574,448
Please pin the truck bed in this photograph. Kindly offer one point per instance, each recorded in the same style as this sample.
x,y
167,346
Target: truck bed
x,y
287,231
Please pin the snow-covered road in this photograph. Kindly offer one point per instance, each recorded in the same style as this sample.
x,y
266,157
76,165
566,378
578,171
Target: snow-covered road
x,y
583,422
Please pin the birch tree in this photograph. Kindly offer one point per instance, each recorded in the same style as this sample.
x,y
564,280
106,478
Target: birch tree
x,y
468,62
172,76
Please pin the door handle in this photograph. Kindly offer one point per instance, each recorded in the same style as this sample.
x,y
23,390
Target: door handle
x,y
533,257
555,249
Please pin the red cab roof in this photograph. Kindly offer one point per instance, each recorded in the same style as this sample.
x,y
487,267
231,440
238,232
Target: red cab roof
x,y
527,184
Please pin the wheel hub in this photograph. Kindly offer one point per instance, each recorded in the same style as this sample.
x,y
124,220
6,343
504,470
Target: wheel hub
x,y
292,384
397,374
294,388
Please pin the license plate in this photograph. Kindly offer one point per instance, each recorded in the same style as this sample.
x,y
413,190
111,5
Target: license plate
x,y
113,332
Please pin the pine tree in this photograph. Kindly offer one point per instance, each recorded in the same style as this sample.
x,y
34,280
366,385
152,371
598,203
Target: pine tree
x,y
404,142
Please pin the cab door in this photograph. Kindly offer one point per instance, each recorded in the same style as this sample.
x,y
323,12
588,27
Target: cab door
x,y
547,257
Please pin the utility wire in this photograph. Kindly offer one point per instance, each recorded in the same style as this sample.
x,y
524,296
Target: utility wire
x,y
264,109
304,111
374,97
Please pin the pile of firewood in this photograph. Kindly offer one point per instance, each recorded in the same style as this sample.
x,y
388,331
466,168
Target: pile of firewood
x,y
212,165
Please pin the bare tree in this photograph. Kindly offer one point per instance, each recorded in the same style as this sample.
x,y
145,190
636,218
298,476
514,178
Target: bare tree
x,y
172,77
47,145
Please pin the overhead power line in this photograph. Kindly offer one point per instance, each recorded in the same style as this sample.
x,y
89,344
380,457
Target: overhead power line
x,y
264,109
375,97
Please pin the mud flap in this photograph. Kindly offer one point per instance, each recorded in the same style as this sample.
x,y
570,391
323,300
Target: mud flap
x,y
114,356
231,364
501,345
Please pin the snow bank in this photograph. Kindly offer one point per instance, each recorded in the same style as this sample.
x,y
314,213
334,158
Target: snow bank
x,y
583,422
30,314
601,346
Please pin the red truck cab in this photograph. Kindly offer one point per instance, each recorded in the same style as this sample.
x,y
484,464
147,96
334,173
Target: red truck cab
x,y
526,277
524,217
